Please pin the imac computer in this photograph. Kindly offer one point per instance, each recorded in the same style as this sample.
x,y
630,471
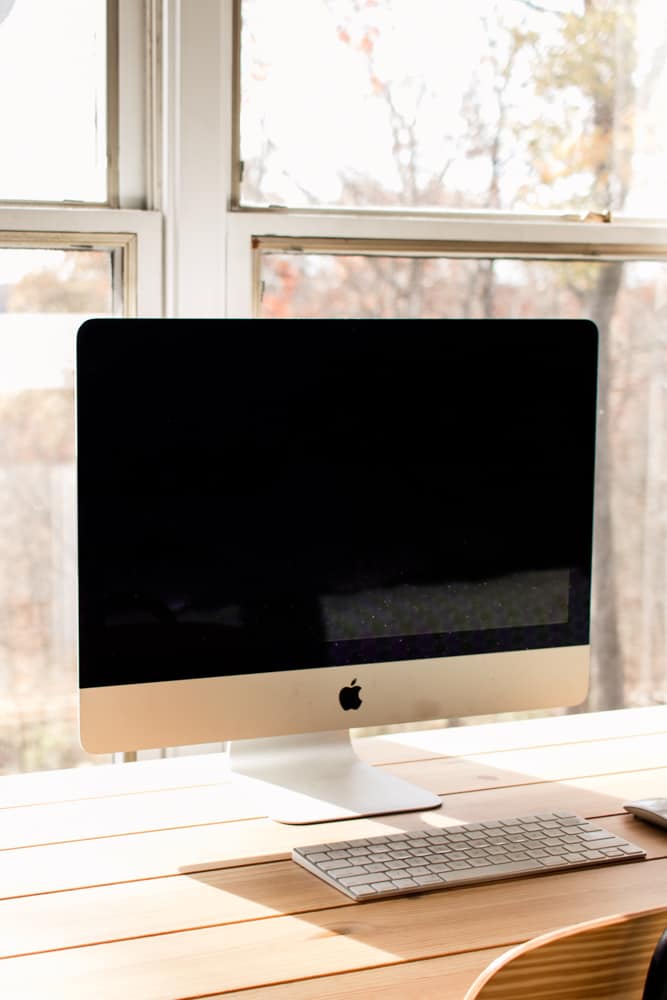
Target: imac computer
x,y
290,528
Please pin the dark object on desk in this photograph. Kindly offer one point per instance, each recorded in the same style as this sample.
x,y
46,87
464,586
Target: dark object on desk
x,y
655,987
650,810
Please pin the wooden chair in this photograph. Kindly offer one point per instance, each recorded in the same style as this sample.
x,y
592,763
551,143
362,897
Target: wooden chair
x,y
605,959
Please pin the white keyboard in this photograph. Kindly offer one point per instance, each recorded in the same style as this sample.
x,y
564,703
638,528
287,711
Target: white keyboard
x,y
418,860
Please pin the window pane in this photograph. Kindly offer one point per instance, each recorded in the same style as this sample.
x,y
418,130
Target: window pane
x,y
44,296
488,104
53,107
629,303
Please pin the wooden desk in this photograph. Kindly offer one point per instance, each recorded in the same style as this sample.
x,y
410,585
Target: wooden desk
x,y
150,880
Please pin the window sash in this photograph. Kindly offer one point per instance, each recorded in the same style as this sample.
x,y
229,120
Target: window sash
x,y
251,233
130,76
135,236
232,25
212,243
123,226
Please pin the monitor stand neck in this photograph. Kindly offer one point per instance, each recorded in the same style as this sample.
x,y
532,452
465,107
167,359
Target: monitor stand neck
x,y
317,777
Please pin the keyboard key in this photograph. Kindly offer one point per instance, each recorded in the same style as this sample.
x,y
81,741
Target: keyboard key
x,y
607,842
360,890
496,871
354,879
339,865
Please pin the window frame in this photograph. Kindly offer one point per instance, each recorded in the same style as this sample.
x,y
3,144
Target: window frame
x,y
133,236
188,247
250,234
128,221
127,75
213,242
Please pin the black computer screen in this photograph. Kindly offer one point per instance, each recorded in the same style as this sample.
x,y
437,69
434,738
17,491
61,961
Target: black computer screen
x,y
260,495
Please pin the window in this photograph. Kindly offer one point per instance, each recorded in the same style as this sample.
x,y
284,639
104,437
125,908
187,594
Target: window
x,y
330,157
45,295
53,73
513,106
76,240
506,161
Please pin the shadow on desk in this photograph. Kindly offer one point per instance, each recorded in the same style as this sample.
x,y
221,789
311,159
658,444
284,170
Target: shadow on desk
x,y
329,933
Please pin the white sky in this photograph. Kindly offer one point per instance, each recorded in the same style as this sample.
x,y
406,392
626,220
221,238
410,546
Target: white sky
x,y
52,106
313,98
15,264
53,128
36,351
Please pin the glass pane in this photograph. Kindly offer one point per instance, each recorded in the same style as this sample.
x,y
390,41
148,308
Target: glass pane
x,y
557,105
629,303
53,107
44,296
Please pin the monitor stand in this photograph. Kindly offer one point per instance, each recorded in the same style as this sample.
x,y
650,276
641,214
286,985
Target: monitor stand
x,y
317,777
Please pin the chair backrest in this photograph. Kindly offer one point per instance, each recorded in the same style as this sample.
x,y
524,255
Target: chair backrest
x,y
604,959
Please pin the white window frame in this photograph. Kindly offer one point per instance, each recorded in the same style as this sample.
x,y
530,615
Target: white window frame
x,y
212,244
134,236
128,222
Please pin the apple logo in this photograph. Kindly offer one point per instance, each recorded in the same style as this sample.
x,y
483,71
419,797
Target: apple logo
x,y
349,696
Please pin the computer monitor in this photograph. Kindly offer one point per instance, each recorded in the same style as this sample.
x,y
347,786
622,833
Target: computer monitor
x,y
287,528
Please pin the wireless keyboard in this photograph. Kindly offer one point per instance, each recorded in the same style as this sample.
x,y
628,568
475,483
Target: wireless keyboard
x,y
419,860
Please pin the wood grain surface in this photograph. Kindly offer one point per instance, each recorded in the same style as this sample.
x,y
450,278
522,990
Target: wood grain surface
x,y
155,879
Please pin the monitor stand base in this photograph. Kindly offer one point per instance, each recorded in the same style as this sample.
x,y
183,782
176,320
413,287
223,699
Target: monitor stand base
x,y
317,778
